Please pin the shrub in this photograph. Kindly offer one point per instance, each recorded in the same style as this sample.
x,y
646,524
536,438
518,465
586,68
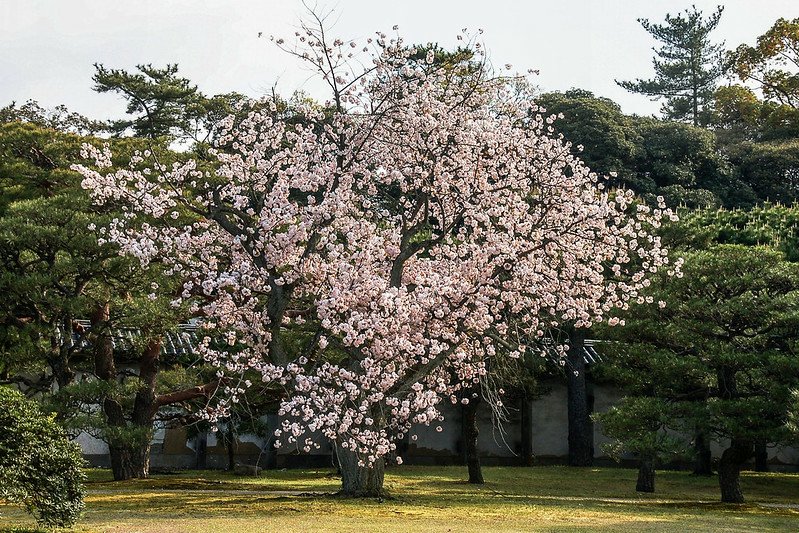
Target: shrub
x,y
40,468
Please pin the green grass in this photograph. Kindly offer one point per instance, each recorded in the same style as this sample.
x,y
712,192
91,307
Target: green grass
x,y
432,499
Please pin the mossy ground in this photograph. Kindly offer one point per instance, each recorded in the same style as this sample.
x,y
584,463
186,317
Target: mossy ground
x,y
431,499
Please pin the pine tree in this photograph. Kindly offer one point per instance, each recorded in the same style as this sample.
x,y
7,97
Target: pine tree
x,y
687,65
717,352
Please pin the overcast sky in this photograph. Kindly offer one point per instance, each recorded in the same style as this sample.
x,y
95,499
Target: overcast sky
x,y
48,47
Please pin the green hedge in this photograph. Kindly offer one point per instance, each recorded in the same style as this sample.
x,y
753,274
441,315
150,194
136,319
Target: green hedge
x,y
40,468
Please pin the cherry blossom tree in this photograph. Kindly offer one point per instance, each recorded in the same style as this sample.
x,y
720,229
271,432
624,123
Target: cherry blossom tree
x,y
374,255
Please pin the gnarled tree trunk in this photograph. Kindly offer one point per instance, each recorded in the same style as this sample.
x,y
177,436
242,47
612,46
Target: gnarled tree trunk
x,y
360,481
646,475
730,465
130,461
58,357
129,441
130,454
471,431
740,450
131,433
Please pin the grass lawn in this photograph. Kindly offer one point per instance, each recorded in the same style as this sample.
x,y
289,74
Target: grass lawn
x,y
431,499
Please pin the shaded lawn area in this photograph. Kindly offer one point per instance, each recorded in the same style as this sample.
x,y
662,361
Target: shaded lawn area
x,y
431,499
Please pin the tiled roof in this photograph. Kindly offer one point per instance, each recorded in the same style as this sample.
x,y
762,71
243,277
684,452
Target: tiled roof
x,y
180,341
183,340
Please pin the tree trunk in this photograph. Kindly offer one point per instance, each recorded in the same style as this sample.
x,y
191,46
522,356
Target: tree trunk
x,y
359,481
202,450
122,453
730,465
58,358
740,450
334,457
130,461
581,452
527,433
703,464
129,454
230,441
646,475
471,431
130,440
145,403
761,457
145,407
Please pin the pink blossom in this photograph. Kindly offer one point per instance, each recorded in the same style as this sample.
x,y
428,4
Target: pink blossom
x,y
391,248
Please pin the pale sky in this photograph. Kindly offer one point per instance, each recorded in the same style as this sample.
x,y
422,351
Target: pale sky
x,y
48,47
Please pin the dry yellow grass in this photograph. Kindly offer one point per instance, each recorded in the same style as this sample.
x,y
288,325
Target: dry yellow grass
x,y
434,500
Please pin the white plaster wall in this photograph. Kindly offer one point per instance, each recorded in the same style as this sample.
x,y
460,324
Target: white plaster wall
x,y
549,426
90,445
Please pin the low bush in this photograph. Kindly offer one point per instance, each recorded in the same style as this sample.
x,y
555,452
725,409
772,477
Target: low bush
x,y
40,468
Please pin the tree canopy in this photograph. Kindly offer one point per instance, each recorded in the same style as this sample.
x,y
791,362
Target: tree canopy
x,y
396,239
773,63
164,104
687,65
719,351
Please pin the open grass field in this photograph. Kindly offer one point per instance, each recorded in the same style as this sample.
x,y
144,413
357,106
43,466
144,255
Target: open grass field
x,y
430,499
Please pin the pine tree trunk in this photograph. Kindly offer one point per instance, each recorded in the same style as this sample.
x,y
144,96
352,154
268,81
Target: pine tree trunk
x,y
646,475
740,450
730,465
360,481
581,452
144,408
131,461
129,445
121,453
761,457
471,431
703,464
58,358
